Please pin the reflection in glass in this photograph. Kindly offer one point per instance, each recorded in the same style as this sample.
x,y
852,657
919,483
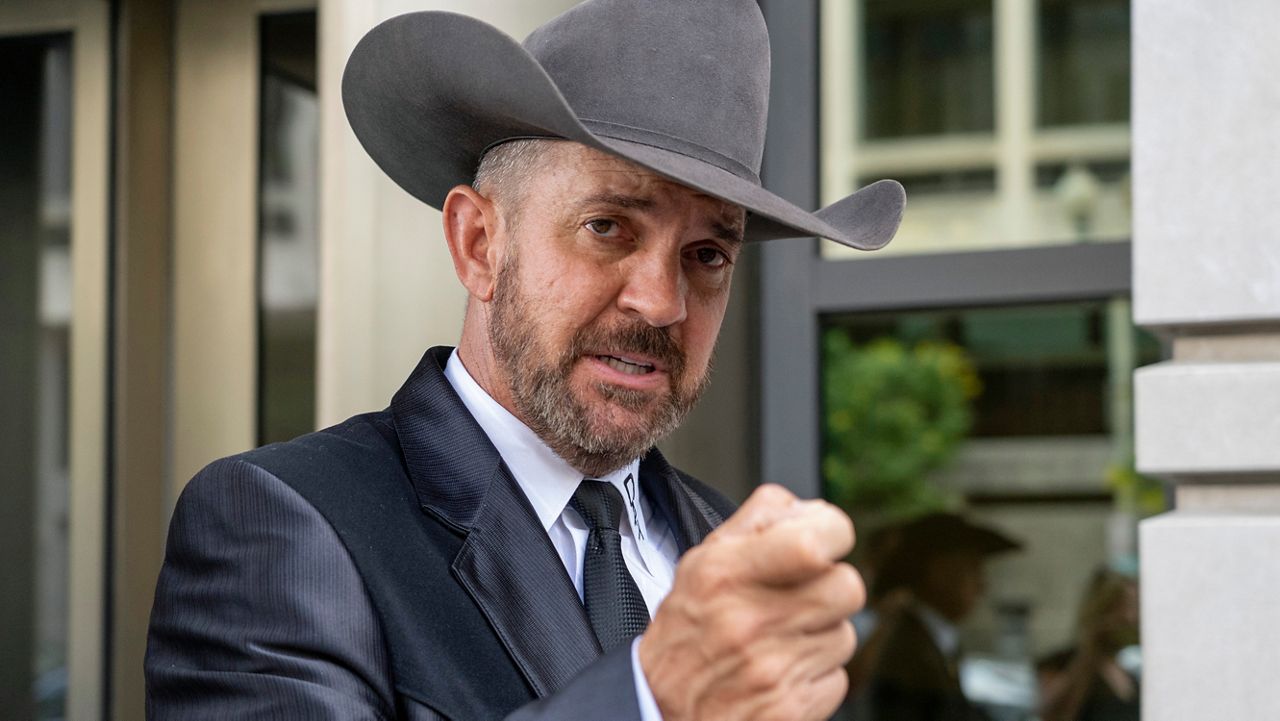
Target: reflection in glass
x,y
1042,370
920,76
928,67
35,323
288,213
1020,417
1083,202
1084,62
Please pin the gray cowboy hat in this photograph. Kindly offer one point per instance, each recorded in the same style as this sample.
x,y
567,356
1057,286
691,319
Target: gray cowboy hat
x,y
680,87
935,534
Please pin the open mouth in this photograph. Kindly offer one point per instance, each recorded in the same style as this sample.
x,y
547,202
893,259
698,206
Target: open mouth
x,y
627,365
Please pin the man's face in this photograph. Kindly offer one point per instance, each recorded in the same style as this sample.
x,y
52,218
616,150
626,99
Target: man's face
x,y
954,583
609,298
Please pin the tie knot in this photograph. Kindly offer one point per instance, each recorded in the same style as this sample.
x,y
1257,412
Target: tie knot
x,y
599,504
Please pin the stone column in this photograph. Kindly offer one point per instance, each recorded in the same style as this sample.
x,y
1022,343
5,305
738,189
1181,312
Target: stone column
x,y
1206,158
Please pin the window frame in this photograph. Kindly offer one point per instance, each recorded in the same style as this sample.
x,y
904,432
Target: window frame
x,y
798,285
1014,149
87,23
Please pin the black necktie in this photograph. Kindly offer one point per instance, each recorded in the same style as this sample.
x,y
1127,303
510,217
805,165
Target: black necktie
x,y
614,604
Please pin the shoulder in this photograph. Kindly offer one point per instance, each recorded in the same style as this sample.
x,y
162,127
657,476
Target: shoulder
x,y
907,641
357,441
703,494
290,489
351,475
359,454
259,604
278,479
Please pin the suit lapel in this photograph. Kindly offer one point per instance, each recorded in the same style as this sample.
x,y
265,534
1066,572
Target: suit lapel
x,y
691,517
507,563
510,567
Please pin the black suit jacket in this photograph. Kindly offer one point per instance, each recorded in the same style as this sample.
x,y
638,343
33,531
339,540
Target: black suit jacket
x,y
387,567
914,681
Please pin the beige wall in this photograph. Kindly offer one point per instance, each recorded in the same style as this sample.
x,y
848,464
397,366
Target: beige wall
x,y
215,142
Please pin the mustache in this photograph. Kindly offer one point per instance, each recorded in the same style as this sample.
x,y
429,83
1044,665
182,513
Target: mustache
x,y
633,336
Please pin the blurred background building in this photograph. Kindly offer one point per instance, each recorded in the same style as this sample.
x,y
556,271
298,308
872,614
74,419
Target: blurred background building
x,y
197,257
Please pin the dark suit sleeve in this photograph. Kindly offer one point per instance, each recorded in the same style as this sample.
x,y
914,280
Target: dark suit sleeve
x,y
605,689
259,611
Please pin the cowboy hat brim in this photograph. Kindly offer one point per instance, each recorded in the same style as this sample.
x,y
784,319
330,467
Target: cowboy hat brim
x,y
428,93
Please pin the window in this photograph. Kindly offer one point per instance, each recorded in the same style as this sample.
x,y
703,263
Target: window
x,y
982,363
288,214
1007,122
928,68
1018,417
35,298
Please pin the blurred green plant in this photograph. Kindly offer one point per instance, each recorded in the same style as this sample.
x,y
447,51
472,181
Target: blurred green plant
x,y
1140,495
893,414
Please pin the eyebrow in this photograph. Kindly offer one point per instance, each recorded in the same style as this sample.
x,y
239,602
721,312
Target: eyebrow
x,y
728,233
630,202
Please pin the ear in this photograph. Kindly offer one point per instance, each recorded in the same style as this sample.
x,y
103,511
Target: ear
x,y
470,226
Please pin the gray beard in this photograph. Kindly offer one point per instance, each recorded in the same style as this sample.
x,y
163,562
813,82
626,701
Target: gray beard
x,y
545,402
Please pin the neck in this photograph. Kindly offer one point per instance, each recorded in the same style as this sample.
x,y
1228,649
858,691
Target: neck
x,y
477,356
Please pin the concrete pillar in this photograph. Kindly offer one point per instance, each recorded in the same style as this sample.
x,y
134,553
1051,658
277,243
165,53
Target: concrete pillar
x,y
1206,160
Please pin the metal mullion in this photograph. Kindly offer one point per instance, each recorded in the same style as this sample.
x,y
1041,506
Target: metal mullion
x,y
987,277
789,422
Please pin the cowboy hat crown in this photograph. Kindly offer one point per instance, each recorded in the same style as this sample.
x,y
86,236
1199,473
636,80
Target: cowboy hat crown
x,y
712,101
679,87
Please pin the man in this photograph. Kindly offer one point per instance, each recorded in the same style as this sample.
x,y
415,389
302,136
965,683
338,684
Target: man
x,y
503,540
913,654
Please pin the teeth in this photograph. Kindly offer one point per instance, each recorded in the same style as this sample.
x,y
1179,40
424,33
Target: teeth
x,y
628,367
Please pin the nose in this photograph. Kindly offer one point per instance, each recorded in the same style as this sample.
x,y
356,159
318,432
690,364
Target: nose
x,y
654,288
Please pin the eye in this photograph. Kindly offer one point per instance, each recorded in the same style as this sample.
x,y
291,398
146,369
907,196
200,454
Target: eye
x,y
603,227
710,257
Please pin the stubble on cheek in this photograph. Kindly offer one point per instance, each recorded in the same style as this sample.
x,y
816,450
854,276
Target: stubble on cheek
x,y
594,425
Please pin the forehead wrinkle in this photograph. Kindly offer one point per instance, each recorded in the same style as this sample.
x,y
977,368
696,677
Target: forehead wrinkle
x,y
631,186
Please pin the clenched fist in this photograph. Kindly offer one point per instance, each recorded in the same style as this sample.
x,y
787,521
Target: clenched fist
x,y
757,622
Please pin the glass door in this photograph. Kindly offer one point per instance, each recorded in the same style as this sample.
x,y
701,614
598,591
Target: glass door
x,y
53,309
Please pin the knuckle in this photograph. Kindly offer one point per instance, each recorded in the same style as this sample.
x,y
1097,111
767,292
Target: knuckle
x,y
841,520
850,589
847,638
709,576
808,550
785,709
764,673
737,630
839,687
850,529
773,494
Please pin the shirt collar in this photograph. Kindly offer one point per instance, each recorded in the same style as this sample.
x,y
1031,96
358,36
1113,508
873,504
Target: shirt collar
x,y
944,633
546,479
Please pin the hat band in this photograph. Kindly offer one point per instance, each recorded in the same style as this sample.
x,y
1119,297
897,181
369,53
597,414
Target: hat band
x,y
616,131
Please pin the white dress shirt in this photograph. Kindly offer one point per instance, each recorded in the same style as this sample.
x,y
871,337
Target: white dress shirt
x,y
944,633
649,546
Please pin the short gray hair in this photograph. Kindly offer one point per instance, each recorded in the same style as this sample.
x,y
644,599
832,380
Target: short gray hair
x,y
507,169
